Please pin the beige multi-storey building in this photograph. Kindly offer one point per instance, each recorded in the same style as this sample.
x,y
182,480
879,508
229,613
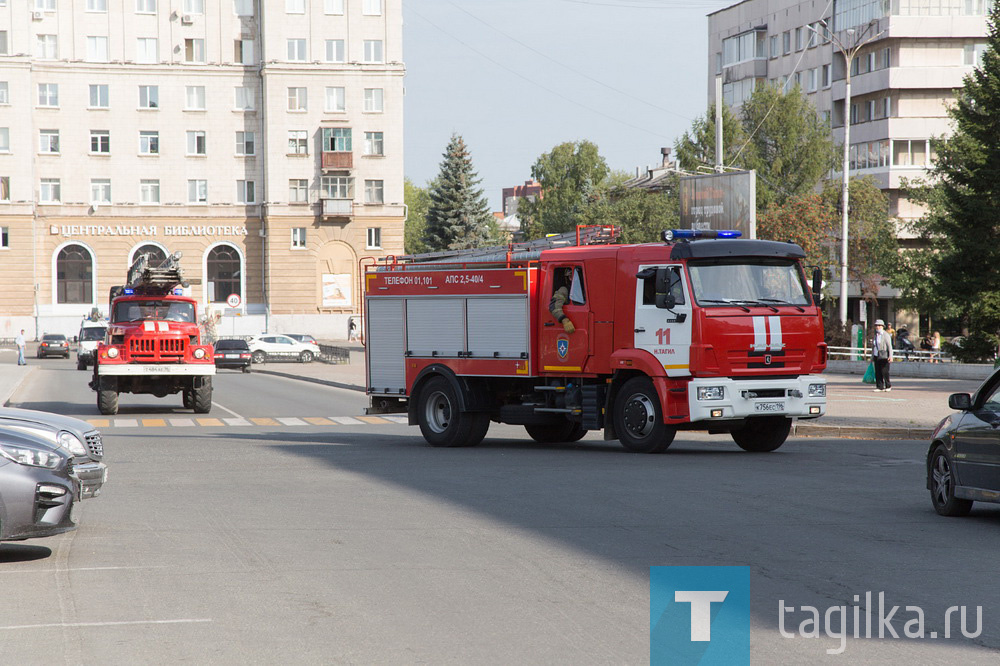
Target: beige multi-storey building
x,y
901,81
264,139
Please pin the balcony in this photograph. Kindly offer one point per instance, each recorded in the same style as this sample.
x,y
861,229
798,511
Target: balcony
x,y
338,208
338,159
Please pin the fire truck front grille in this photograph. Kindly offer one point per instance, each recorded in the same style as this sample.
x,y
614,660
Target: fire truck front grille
x,y
157,349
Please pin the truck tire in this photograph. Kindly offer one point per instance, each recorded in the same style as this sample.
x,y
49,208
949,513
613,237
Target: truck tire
x,y
639,419
187,398
107,396
80,365
201,397
551,433
763,434
441,421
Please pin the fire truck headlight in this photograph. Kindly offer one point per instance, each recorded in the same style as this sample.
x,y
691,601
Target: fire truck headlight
x,y
199,353
711,392
112,352
817,390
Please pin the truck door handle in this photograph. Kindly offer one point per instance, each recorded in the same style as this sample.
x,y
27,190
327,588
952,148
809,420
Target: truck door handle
x,y
640,330
549,323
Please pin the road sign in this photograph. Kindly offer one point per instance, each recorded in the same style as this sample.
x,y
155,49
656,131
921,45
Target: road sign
x,y
233,300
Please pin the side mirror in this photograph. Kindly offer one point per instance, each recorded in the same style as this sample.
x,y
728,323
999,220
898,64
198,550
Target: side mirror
x,y
817,285
960,401
664,299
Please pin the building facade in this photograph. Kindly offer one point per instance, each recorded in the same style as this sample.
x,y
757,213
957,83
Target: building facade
x,y
264,140
902,81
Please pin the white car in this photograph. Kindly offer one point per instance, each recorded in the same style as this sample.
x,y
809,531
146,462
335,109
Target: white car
x,y
273,346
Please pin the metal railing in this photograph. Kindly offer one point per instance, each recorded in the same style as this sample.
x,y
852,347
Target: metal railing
x,y
865,354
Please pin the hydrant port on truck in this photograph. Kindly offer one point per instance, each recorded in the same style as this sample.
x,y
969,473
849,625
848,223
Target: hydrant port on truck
x,y
153,341
718,334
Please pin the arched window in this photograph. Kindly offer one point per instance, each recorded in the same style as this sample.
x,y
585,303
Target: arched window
x,y
155,252
74,275
225,272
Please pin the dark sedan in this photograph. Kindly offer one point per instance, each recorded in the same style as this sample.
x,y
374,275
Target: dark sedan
x,y
963,462
53,344
232,354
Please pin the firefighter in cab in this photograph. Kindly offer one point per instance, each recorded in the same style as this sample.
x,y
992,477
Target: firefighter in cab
x,y
563,281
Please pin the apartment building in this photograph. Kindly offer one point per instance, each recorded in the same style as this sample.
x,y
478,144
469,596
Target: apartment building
x,y
901,81
262,139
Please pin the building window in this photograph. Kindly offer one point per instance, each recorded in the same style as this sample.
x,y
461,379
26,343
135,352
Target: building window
x,y
243,52
3,43
333,6
775,48
47,47
335,99
854,114
99,96
97,49
195,98
827,76
297,99
297,50
154,254
149,97
298,142
298,190
48,95
243,7
373,100
145,6
374,238
244,98
194,50
97,5
373,50
244,143
50,191
338,187
4,238
299,238
374,192
224,270
372,8
196,143
910,152
335,50
786,42
973,54
812,79
337,140
295,6
886,57
48,141
74,275
100,191
4,139
373,144
197,191
246,192
194,7
149,143
149,192
146,50
5,188
45,5
100,142
4,93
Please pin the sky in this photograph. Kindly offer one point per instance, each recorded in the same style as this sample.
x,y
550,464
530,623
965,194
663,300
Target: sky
x,y
517,77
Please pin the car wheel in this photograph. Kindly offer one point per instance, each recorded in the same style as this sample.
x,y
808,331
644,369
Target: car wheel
x,y
943,486
638,419
258,357
441,421
306,357
246,368
567,431
763,434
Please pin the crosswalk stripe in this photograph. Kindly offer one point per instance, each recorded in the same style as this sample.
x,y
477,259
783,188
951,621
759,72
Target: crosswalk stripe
x,y
290,421
99,423
154,423
402,420
264,422
126,423
373,419
210,422
237,422
346,420
181,422
318,420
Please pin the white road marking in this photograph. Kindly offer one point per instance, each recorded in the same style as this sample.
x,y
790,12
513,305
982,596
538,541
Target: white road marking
x,y
289,421
31,571
181,422
404,420
237,422
226,409
346,420
126,423
99,624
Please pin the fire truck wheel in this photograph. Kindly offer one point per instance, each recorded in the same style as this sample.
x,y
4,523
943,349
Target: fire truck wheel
x,y
763,434
638,419
441,422
187,398
201,398
80,365
567,431
107,402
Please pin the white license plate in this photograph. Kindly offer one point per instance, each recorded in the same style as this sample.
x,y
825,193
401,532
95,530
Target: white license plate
x,y
232,355
769,407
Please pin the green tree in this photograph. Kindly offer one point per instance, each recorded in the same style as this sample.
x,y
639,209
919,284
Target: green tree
x,y
571,174
695,150
803,219
458,215
642,214
418,201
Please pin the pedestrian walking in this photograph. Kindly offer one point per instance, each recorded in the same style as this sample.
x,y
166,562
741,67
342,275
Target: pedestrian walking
x,y
19,341
936,347
882,356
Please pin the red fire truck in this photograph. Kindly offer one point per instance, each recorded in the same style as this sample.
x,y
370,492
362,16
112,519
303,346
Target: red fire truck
x,y
153,342
705,331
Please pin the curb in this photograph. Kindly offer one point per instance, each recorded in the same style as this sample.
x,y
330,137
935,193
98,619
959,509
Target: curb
x,y
855,432
4,399
314,380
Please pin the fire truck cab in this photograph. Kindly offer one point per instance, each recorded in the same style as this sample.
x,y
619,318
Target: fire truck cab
x,y
720,334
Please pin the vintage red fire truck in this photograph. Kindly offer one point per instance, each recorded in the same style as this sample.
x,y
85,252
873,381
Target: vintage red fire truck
x,y
153,341
705,331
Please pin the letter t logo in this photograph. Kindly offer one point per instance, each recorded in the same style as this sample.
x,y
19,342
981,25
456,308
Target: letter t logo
x,y
701,610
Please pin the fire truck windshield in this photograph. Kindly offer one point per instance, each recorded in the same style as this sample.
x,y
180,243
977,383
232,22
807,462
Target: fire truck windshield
x,y
152,309
748,281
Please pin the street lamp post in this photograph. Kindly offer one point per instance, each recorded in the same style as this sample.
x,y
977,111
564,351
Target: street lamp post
x,y
849,52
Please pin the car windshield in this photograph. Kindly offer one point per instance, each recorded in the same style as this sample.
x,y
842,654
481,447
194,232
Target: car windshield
x,y
91,334
54,338
231,344
748,281
126,311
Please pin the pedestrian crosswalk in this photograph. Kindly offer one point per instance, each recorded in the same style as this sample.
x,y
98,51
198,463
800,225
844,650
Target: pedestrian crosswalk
x,y
250,422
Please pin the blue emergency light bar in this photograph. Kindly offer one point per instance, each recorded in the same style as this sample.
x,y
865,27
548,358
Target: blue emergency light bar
x,y
178,292
129,291
678,234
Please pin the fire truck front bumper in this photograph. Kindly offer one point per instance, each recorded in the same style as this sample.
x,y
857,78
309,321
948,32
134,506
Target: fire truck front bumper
x,y
724,399
164,369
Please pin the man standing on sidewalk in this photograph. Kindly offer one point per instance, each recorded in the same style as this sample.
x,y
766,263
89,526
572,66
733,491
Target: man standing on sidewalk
x,y
882,356
19,341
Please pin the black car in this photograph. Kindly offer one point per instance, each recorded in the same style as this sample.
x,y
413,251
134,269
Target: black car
x,y
53,344
232,354
962,459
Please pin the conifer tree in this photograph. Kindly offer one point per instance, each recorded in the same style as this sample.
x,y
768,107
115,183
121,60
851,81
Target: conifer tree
x,y
458,216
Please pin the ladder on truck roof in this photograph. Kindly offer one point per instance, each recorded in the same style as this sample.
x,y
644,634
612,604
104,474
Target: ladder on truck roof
x,y
159,280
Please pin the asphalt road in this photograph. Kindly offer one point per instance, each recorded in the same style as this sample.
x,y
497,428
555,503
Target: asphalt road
x,y
357,543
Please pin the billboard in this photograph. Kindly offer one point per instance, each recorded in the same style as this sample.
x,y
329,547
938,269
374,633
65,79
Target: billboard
x,y
720,201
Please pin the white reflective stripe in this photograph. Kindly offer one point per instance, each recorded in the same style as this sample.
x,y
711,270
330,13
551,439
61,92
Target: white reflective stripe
x,y
774,323
164,326
759,334
149,325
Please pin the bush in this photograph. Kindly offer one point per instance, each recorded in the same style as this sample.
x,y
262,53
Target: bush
x,y
835,333
977,347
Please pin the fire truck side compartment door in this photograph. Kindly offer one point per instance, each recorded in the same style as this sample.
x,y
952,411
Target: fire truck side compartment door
x,y
385,346
498,327
435,327
665,333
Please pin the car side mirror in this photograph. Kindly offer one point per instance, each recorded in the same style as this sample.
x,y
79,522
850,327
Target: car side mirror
x,y
960,401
